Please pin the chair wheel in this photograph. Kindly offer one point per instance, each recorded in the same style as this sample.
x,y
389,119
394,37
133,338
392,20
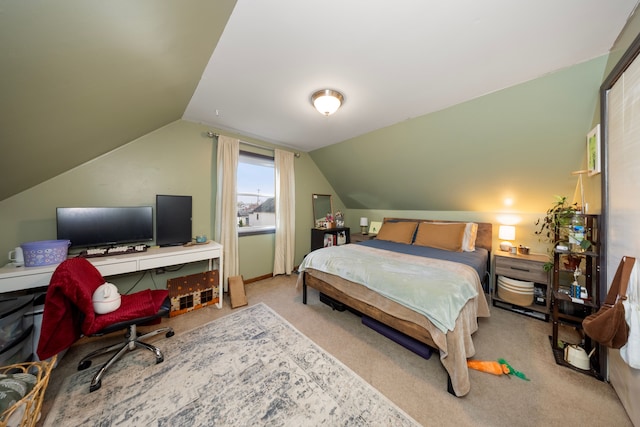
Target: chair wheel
x,y
96,386
170,334
84,365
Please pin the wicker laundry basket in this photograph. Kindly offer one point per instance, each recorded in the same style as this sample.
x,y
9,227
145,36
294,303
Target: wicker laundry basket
x,y
31,403
514,291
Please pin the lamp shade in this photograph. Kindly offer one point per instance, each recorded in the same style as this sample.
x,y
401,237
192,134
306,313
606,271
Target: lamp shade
x,y
364,222
327,101
507,232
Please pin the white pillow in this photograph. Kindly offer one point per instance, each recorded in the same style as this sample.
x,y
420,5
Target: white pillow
x,y
469,238
106,298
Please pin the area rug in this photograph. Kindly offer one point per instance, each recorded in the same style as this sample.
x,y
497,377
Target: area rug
x,y
250,367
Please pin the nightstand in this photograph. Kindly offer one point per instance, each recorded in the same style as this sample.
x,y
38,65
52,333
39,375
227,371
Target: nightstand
x,y
528,268
359,237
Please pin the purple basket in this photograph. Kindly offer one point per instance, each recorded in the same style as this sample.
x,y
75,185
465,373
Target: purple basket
x,y
44,252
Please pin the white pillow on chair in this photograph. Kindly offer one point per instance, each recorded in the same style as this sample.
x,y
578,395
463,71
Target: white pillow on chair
x,y
106,298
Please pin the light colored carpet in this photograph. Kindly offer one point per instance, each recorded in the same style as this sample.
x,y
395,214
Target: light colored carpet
x,y
555,396
250,367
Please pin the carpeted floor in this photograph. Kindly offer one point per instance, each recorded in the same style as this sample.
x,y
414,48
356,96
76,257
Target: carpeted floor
x,y
250,367
554,396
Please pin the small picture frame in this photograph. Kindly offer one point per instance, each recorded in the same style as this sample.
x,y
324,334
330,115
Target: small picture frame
x,y
593,151
374,227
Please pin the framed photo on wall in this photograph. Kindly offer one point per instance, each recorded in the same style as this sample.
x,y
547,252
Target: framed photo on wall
x,y
593,151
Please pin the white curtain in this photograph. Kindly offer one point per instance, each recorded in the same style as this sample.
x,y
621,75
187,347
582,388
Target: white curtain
x,y
226,209
285,213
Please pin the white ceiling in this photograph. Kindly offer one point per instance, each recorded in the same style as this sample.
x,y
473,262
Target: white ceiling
x,y
391,62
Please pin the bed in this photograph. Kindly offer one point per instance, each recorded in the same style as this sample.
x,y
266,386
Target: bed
x,y
397,279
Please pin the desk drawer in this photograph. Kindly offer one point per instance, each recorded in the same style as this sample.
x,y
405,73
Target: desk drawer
x,y
180,258
27,281
114,266
522,270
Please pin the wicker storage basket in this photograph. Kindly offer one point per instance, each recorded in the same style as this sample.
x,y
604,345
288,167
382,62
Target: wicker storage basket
x,y
32,402
514,291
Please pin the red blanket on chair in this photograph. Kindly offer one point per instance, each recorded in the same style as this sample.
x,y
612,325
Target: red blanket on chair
x,y
68,308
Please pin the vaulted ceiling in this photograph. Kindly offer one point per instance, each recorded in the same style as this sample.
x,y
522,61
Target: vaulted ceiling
x,y
80,78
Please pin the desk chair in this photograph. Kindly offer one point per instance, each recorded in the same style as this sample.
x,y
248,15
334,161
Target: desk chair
x,y
69,315
132,340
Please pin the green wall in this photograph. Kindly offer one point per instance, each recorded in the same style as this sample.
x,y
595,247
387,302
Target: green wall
x,y
176,159
519,144
460,163
522,143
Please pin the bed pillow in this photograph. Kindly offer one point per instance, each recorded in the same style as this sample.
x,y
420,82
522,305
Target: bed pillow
x,y
399,232
447,236
469,238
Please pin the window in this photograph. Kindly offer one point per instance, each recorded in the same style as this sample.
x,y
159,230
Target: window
x,y
256,194
186,302
206,296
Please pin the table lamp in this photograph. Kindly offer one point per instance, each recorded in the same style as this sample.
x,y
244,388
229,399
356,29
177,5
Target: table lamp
x,y
364,225
506,233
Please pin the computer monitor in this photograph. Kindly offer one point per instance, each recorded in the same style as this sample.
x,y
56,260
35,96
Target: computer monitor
x,y
173,220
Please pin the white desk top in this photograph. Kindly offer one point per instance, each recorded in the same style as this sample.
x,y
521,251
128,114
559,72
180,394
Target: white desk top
x,y
22,278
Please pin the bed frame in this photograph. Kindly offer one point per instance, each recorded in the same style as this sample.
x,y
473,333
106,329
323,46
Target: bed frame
x,y
483,240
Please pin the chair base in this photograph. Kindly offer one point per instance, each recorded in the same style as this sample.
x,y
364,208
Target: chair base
x,y
132,342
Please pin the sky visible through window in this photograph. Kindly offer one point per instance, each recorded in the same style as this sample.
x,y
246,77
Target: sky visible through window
x,y
255,180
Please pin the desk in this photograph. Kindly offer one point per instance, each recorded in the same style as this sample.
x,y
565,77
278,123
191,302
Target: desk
x,y
24,278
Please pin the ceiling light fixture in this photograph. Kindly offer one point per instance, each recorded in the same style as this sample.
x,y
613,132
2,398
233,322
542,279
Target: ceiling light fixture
x,y
327,101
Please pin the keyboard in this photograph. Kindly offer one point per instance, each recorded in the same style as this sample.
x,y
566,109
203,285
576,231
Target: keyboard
x,y
114,250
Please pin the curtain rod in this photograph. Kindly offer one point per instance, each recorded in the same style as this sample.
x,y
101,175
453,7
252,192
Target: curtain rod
x,y
211,134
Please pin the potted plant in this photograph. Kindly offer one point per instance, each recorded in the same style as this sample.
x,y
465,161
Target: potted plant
x,y
572,262
556,228
559,215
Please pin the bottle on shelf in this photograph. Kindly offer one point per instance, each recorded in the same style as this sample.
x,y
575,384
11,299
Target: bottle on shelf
x,y
577,234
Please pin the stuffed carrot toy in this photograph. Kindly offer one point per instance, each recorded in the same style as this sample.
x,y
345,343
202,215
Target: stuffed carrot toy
x,y
500,367
488,366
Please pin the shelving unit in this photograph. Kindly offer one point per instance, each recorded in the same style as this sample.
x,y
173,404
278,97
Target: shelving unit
x,y
318,236
527,268
568,311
